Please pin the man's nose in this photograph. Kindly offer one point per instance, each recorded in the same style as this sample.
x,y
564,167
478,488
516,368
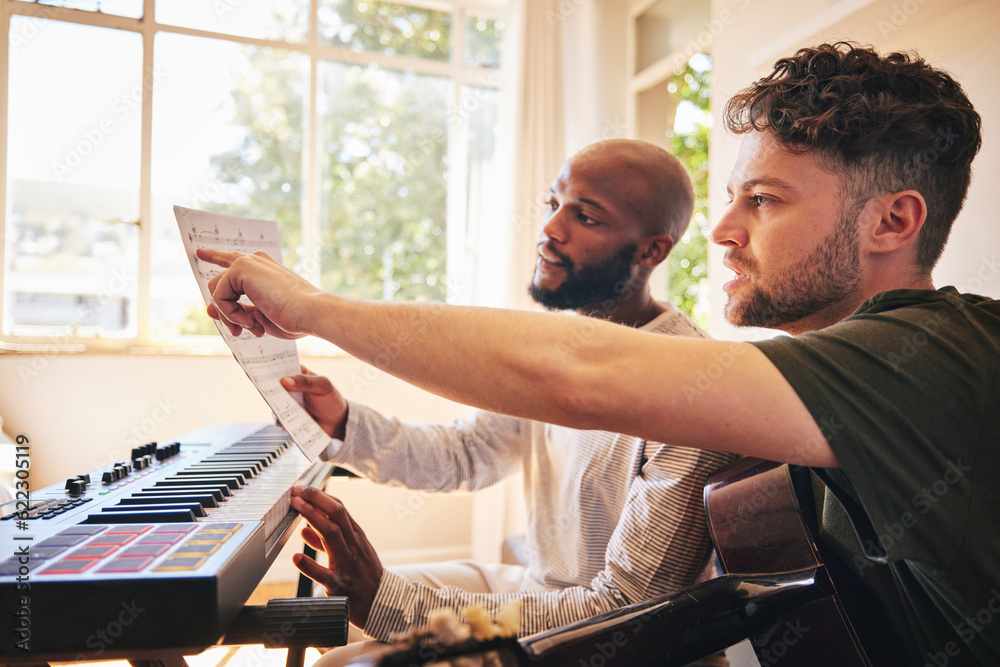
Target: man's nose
x,y
729,231
554,227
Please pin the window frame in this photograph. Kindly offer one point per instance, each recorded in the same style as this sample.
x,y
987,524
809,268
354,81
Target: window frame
x,y
147,27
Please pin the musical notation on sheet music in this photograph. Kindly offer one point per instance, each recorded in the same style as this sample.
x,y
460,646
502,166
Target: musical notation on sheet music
x,y
204,238
265,360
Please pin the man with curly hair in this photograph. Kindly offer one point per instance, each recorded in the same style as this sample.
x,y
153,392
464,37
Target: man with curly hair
x,y
852,169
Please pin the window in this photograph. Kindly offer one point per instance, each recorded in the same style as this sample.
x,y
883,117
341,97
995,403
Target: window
x,y
671,70
367,129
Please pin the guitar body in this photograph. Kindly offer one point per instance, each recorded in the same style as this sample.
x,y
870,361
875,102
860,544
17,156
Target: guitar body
x,y
759,525
778,591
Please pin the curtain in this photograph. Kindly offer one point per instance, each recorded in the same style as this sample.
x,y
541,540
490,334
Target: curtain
x,y
537,122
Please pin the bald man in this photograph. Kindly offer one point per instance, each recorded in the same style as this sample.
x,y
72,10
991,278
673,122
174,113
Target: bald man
x,y
612,519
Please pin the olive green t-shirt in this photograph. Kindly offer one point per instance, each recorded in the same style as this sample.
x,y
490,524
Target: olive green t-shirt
x,y
907,391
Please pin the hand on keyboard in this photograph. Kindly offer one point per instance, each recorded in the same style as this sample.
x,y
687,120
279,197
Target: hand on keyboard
x,y
354,569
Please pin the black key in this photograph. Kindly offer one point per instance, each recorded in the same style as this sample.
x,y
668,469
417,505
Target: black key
x,y
204,500
220,491
195,508
182,515
187,480
247,472
257,463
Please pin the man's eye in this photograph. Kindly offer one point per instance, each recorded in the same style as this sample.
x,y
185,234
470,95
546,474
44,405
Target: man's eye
x,y
759,200
552,204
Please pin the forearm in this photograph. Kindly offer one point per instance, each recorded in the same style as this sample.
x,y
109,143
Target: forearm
x,y
582,373
463,353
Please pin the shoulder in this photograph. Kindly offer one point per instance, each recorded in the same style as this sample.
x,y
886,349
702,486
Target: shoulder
x,y
895,324
940,304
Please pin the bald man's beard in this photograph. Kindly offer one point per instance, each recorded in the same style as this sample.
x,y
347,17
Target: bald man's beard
x,y
593,288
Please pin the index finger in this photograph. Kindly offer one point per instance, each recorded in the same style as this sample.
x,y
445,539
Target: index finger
x,y
221,258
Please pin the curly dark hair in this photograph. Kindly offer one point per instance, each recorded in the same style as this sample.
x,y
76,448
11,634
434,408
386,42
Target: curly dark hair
x,y
885,124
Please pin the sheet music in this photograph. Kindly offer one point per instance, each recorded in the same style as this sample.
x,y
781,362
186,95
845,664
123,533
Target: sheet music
x,y
265,360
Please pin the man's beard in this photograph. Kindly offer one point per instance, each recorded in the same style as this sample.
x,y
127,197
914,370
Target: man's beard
x,y
594,287
828,276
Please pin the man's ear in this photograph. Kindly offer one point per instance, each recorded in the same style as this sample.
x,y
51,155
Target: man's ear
x,y
654,250
900,217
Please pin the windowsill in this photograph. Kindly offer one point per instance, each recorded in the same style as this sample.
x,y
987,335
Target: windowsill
x,y
110,348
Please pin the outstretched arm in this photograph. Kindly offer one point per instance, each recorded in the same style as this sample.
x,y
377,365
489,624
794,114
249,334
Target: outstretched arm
x,y
577,372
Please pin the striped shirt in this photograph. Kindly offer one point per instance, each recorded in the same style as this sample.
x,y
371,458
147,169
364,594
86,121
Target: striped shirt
x,y
612,519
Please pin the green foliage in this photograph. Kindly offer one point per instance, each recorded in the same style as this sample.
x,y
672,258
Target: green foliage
x,y
384,184
688,262
387,27
383,137
484,41
263,176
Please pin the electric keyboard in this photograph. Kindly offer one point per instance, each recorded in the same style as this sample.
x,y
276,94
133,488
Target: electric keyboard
x,y
148,557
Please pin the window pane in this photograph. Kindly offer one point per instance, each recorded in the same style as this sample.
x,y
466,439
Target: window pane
x,y
385,27
483,41
227,137
687,269
384,143
130,8
73,180
284,20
